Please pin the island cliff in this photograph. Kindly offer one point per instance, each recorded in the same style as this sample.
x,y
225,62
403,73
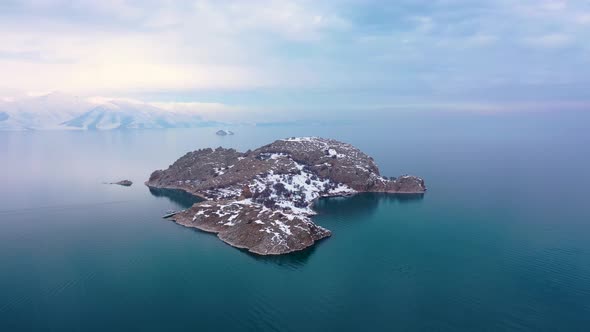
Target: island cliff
x,y
261,200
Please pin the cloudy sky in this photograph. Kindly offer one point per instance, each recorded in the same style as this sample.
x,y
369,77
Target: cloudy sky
x,y
496,54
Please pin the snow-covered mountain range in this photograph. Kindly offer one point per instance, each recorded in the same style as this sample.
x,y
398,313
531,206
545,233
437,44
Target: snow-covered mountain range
x,y
57,111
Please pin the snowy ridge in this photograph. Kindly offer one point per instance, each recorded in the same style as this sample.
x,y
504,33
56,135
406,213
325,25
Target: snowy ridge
x,y
58,111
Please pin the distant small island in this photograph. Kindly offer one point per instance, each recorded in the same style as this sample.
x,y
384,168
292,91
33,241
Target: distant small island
x,y
124,183
261,200
222,132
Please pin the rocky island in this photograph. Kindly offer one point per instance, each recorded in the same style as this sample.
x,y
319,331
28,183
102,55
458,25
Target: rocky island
x,y
222,132
262,200
124,183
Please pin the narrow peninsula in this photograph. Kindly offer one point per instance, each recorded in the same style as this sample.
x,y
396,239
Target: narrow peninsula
x,y
262,200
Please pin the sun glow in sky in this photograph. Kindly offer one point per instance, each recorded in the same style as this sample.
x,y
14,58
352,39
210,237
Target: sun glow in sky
x,y
488,54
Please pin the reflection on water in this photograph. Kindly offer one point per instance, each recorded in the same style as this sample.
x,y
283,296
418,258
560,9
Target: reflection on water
x,y
356,206
291,261
403,198
179,197
361,204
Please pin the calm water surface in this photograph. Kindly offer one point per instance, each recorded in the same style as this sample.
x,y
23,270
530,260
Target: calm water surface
x,y
500,241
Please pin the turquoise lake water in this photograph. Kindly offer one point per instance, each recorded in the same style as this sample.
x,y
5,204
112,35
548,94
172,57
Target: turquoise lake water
x,y
500,242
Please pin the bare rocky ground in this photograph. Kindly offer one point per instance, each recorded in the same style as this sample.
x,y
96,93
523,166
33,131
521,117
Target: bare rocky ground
x,y
261,200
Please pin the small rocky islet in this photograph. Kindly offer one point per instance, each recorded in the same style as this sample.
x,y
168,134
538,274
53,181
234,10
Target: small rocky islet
x,y
261,200
124,183
222,132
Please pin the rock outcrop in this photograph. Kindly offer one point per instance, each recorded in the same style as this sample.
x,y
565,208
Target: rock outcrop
x,y
222,132
261,200
125,183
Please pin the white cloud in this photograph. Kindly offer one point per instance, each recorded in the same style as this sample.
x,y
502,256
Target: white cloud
x,y
121,9
583,18
553,5
424,24
314,50
482,40
288,19
554,40
200,45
